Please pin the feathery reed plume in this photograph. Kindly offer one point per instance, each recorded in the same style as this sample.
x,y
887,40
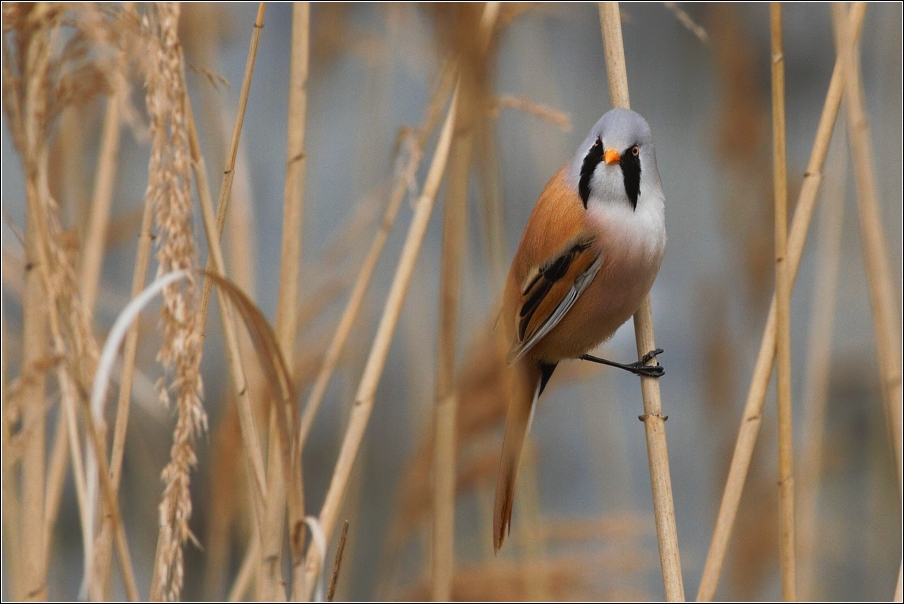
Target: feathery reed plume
x,y
41,79
169,190
653,419
262,336
756,396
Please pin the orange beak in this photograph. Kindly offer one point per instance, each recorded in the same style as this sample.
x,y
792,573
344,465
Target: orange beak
x,y
611,157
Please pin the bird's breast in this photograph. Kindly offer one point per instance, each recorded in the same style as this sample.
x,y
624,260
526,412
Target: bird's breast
x,y
632,247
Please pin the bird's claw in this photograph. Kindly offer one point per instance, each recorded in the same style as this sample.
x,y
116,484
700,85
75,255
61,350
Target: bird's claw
x,y
641,368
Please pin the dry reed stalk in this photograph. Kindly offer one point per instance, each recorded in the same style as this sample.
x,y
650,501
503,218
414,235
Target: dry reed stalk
x,y
213,226
756,396
490,185
33,414
284,439
337,564
653,419
43,84
455,219
687,22
787,546
203,28
883,299
264,341
491,193
232,152
95,241
69,336
404,182
105,178
482,389
271,584
111,511
454,237
364,398
99,587
816,386
233,354
454,223
39,82
247,572
228,476
56,476
227,500
11,500
66,181
31,557
548,114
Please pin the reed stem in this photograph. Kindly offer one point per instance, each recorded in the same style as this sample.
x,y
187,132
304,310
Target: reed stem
x,y
213,230
105,179
353,306
100,585
653,419
756,396
34,423
455,222
445,401
364,398
233,356
287,310
886,315
787,549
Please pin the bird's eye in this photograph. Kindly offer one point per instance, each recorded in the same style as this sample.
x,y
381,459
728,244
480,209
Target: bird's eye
x,y
635,151
596,143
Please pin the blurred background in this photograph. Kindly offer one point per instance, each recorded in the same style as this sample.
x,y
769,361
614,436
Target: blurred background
x,y
583,524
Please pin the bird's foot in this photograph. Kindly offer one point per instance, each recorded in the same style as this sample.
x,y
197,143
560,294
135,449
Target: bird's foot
x,y
639,368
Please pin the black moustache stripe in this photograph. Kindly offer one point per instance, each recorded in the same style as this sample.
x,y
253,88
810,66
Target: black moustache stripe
x,y
630,165
591,161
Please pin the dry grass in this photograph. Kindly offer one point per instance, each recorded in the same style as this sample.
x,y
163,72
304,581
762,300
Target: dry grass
x,y
153,508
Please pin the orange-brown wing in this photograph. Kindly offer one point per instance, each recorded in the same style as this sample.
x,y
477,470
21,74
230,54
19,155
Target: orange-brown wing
x,y
550,291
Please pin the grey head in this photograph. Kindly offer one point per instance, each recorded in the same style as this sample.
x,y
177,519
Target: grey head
x,y
601,176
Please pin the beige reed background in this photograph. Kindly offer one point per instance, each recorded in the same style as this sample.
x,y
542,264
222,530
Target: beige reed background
x,y
361,175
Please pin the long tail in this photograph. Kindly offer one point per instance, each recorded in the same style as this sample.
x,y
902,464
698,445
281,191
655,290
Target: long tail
x,y
529,381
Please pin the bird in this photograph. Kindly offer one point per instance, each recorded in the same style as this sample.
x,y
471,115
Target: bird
x,y
590,252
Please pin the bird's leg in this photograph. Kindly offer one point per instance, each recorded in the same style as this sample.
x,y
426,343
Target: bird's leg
x,y
638,368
